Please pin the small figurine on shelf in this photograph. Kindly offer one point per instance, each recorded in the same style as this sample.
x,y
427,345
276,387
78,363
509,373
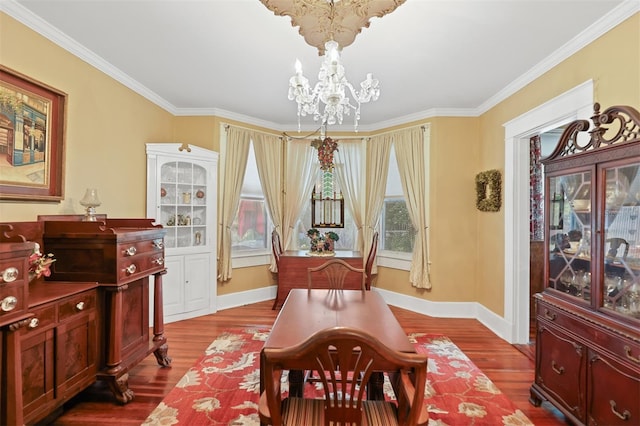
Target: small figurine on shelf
x,y
40,264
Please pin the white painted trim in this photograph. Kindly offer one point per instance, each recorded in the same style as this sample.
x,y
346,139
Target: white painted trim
x,y
571,105
472,310
242,298
246,260
388,260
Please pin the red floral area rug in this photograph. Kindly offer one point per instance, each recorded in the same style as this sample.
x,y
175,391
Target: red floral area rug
x,y
223,387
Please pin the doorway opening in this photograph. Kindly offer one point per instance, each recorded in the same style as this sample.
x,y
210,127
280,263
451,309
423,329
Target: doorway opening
x,y
565,108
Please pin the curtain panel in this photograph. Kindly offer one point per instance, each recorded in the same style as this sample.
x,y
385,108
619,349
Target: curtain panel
x,y
234,164
409,147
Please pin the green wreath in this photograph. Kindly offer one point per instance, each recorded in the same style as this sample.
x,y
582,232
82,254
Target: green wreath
x,y
490,182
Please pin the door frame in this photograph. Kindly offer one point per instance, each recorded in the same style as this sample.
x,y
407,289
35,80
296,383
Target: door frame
x,y
569,106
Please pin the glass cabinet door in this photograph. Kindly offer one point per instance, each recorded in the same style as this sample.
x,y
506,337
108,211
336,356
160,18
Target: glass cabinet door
x,y
183,203
621,233
570,234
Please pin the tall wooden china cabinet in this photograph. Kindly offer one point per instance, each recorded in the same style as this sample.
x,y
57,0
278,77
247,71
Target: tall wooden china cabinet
x,y
88,321
588,316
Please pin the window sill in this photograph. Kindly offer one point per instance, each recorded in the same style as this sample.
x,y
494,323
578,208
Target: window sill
x,y
253,258
395,260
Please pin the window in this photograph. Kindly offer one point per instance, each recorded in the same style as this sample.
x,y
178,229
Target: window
x,y
347,233
396,230
251,228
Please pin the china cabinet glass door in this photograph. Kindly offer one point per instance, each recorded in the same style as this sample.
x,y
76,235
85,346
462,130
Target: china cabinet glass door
x,y
569,230
183,203
621,234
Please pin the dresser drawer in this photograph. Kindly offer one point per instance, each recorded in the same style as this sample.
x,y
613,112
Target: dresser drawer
x,y
12,270
140,247
76,304
604,338
13,299
140,266
43,317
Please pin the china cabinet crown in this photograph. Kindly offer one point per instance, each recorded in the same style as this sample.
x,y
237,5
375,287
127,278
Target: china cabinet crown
x,y
588,316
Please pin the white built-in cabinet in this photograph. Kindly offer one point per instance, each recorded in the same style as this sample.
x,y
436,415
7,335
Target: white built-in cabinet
x,y
181,196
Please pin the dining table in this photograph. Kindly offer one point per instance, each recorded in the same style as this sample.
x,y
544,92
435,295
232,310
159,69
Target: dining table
x,y
306,311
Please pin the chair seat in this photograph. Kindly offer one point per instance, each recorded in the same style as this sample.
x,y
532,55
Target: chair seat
x,y
310,412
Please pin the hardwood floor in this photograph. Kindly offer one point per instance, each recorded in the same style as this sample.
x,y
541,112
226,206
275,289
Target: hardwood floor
x,y
509,369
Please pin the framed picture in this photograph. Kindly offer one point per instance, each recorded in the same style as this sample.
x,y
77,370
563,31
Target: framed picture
x,y
32,132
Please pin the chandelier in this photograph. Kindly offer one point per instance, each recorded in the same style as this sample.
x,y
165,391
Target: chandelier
x,y
328,101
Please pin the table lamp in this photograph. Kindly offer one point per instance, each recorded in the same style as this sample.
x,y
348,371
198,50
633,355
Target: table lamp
x,y
90,201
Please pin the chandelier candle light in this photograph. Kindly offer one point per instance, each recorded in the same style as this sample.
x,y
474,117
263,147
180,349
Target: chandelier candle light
x,y
331,90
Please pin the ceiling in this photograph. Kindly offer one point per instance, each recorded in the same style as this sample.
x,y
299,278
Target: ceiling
x,y
234,58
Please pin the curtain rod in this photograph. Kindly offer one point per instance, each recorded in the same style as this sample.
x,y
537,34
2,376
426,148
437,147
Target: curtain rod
x,y
422,127
227,125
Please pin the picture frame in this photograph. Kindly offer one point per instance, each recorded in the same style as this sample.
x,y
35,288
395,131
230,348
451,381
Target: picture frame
x,y
489,191
32,138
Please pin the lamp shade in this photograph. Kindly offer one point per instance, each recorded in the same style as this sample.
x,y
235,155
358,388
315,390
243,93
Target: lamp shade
x,y
90,198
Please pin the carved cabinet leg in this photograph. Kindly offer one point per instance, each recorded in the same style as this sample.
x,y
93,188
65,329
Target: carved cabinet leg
x,y
120,388
161,355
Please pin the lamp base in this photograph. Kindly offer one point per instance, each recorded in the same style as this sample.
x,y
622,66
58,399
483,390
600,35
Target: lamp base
x,y
90,215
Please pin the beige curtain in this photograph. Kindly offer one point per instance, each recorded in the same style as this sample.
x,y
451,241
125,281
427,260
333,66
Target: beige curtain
x,y
377,168
268,149
234,164
298,182
409,147
348,168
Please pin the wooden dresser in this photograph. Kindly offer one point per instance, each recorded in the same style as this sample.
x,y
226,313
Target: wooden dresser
x,y
88,321
588,315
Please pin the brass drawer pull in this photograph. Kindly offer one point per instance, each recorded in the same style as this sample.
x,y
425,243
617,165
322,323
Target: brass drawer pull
x,y
158,261
8,303
159,244
558,370
131,269
627,351
625,415
80,306
35,322
131,251
10,274
549,315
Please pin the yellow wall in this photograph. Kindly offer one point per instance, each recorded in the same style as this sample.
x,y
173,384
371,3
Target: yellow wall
x,y
613,62
108,126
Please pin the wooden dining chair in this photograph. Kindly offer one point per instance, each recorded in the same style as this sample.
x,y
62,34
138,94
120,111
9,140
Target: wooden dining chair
x,y
368,267
343,353
333,272
276,248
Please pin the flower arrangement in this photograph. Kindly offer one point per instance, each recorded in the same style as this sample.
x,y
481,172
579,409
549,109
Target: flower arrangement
x,y
326,147
40,264
322,243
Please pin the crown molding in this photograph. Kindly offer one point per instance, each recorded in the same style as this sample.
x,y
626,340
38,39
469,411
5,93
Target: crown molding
x,y
624,11
609,21
42,27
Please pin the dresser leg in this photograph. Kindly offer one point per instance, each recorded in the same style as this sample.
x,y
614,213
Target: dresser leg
x,y
161,355
120,388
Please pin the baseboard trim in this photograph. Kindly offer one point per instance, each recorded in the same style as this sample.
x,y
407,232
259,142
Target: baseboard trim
x,y
473,310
